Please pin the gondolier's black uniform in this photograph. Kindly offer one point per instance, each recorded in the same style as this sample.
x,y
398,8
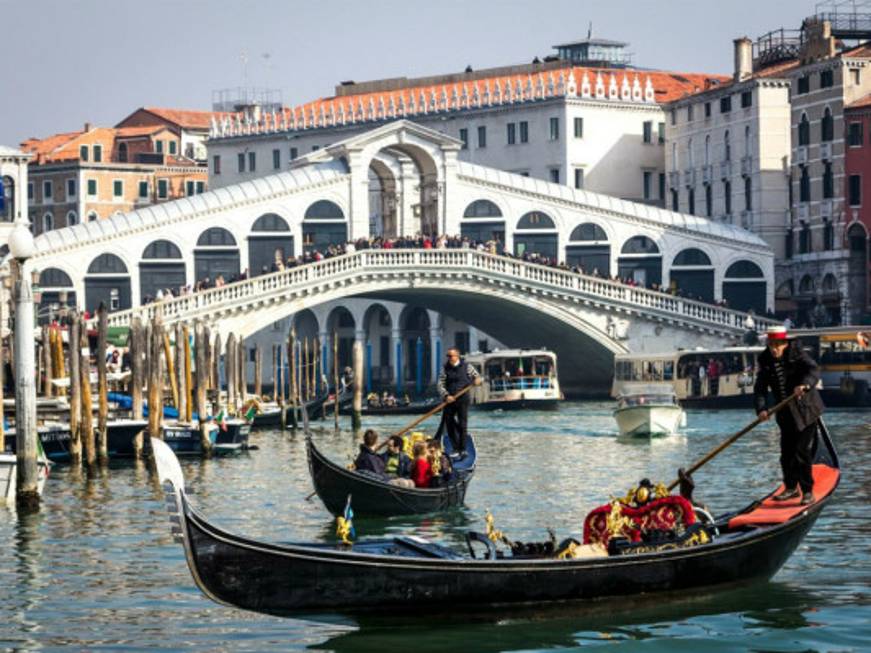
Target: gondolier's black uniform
x,y
452,380
798,420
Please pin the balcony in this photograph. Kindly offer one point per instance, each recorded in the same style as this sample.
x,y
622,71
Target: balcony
x,y
725,169
827,208
804,211
746,166
826,151
707,174
674,179
801,155
747,220
689,178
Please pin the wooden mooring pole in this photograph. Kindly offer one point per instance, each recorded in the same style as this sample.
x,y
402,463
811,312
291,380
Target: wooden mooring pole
x,y
201,344
74,350
356,421
87,424
102,386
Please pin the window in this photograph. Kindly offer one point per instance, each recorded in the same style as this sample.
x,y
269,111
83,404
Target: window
x,y
47,222
827,126
854,134
828,235
707,109
252,161
727,147
482,136
83,152
92,215
98,153
804,186
855,76
47,191
648,131
464,136
790,238
172,147
554,129
524,131
707,149
162,189
92,187
675,200
855,190
709,200
579,177
511,135
804,85
661,187
189,187
674,116
117,188
143,190
72,218
691,201
579,127
294,152
746,99
241,161
554,175
727,197
828,182
661,127
216,164
276,159
804,239
804,130
30,190
158,147
726,104
827,79
647,183
71,188
748,193
201,187
315,148
689,113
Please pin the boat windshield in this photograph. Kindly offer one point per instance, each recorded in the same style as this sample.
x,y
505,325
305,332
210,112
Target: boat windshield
x,y
519,372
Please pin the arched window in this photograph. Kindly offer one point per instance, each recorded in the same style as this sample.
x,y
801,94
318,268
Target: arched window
x,y
708,149
856,236
270,222
588,231
7,199
72,218
47,222
536,220
216,237
107,264
830,284
827,126
744,270
92,215
804,130
747,141
806,285
161,249
482,209
690,152
727,147
54,278
640,245
324,210
692,256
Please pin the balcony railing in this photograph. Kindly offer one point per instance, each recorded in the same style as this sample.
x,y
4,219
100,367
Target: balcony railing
x,y
801,155
747,220
746,166
825,151
725,169
689,178
707,174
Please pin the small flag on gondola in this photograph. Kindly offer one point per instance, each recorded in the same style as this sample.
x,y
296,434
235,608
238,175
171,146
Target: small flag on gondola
x,y
345,524
221,420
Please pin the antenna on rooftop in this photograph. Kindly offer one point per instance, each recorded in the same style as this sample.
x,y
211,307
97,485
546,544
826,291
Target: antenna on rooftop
x,y
590,30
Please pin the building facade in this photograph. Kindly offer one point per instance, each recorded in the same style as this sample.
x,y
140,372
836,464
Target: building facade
x,y
857,180
189,127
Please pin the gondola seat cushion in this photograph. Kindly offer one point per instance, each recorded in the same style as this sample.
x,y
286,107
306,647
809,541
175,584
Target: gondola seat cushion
x,y
664,514
777,512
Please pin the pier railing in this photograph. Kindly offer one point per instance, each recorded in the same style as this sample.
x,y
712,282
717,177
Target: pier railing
x,y
408,264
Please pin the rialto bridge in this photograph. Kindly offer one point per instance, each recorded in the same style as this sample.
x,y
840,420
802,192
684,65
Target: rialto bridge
x,y
404,179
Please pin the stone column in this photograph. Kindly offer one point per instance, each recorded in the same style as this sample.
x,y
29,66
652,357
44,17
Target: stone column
x,y
408,196
396,355
358,218
436,351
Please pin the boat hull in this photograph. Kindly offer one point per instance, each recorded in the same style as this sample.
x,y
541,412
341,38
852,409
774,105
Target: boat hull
x,y
184,439
649,420
520,404
9,476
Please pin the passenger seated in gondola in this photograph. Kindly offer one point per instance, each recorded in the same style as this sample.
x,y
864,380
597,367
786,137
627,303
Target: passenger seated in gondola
x,y
439,463
390,402
397,465
421,471
367,460
372,400
406,400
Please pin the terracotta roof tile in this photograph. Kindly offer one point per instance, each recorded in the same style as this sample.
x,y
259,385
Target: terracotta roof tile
x,y
188,118
861,103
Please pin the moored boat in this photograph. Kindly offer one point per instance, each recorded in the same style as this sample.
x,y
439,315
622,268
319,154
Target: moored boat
x,y
375,496
516,379
410,573
648,409
184,439
9,476
56,439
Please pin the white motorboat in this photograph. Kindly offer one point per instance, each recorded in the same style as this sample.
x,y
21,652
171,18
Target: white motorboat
x,y
648,409
515,379
9,476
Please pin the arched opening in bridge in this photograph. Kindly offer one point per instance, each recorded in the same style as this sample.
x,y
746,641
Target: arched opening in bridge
x,y
58,294
107,282
378,355
641,261
483,222
535,233
216,255
323,224
305,325
417,351
692,275
269,243
161,268
744,287
588,248
7,199
383,199
340,321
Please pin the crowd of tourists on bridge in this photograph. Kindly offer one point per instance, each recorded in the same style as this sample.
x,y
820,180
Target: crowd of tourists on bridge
x,y
493,246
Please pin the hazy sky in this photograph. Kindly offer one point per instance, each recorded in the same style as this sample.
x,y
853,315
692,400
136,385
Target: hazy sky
x,y
70,61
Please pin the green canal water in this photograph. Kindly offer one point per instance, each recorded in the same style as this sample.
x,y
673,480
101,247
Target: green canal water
x,y
97,569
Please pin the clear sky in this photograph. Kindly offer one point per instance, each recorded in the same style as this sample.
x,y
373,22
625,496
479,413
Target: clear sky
x,y
66,62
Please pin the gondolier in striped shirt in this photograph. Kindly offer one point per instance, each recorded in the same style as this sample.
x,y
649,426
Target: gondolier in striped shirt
x,y
786,369
456,375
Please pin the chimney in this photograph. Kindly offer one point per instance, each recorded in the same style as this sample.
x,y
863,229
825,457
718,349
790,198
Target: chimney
x,y
87,127
743,58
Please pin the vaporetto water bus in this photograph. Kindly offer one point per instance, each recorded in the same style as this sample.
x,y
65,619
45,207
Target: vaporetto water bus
x,y
516,378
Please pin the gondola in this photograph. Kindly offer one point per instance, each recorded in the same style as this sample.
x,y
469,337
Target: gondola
x,y
413,408
410,573
185,439
315,408
373,496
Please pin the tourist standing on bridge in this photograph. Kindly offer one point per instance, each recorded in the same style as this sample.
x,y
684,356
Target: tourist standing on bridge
x,y
456,375
786,370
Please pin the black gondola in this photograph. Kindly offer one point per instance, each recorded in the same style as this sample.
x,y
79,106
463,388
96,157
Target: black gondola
x,y
373,496
56,439
314,408
414,574
413,408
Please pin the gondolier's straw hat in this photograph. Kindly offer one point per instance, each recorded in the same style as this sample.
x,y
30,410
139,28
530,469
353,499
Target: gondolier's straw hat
x,y
776,334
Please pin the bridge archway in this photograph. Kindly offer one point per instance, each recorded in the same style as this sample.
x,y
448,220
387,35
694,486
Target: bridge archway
x,y
536,233
692,274
640,259
57,290
161,267
414,323
107,282
383,197
270,241
378,325
323,224
216,254
341,321
483,221
744,286
589,249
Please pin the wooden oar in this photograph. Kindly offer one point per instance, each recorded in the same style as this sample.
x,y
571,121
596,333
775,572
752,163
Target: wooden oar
x,y
756,422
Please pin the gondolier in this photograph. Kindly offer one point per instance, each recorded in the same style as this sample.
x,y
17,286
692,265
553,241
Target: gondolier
x,y
456,375
785,369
